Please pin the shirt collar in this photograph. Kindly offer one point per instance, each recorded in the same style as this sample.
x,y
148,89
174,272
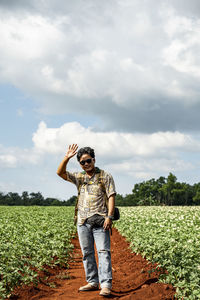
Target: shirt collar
x,y
97,170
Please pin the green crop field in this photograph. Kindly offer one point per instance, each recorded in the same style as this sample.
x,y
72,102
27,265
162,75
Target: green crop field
x,y
170,237
30,237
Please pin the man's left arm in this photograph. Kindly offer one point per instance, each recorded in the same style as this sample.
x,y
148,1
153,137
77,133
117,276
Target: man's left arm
x,y
111,207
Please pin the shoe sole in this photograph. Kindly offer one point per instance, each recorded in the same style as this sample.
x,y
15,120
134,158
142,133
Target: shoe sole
x,y
88,290
105,295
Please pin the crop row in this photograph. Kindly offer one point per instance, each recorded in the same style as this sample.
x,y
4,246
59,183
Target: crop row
x,y
170,237
31,237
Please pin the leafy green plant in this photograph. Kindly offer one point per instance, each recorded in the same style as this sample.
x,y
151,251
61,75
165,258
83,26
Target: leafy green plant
x,y
31,237
169,237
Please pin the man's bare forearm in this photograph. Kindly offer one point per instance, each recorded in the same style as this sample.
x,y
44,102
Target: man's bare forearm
x,y
62,168
111,205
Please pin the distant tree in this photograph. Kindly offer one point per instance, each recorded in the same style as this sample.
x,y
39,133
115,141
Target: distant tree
x,y
130,200
36,198
13,199
119,200
196,198
71,201
48,201
3,200
167,189
25,198
161,191
55,202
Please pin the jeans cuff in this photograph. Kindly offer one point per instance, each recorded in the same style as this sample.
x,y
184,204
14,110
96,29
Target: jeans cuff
x,y
94,283
106,285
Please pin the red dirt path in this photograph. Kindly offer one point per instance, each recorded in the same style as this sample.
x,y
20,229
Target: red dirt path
x,y
131,280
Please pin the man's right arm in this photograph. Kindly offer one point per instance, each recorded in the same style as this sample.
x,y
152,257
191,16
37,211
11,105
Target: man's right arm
x,y
72,150
62,168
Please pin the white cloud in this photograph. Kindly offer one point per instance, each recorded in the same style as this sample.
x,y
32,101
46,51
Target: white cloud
x,y
14,157
139,166
184,35
112,144
8,160
133,156
130,158
126,152
133,65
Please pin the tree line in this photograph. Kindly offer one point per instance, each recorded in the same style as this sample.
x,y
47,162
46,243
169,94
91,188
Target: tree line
x,y
161,191
26,199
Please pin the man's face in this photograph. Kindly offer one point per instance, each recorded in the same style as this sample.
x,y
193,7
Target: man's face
x,y
88,162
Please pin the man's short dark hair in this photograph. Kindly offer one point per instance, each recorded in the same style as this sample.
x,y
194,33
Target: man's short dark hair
x,y
85,150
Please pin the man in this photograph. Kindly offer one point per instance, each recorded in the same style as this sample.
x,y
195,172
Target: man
x,y
96,197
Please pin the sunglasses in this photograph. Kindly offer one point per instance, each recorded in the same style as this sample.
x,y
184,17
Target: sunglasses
x,y
86,161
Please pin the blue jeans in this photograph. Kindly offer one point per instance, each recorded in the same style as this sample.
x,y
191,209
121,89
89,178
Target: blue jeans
x,y
87,237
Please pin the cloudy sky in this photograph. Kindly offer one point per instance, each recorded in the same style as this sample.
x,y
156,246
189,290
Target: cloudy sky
x,y
121,76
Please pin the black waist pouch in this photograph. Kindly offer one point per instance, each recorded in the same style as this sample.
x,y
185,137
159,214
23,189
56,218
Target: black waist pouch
x,y
116,214
95,221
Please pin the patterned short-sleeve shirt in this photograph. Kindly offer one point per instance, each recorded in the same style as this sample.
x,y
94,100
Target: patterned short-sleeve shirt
x,y
93,193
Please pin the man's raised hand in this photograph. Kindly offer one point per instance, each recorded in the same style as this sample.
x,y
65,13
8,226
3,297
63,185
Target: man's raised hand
x,y
72,150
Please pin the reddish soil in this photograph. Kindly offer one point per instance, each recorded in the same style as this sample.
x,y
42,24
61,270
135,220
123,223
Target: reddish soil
x,y
131,279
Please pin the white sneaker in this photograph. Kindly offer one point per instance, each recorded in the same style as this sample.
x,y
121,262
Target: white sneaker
x,y
105,292
89,287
